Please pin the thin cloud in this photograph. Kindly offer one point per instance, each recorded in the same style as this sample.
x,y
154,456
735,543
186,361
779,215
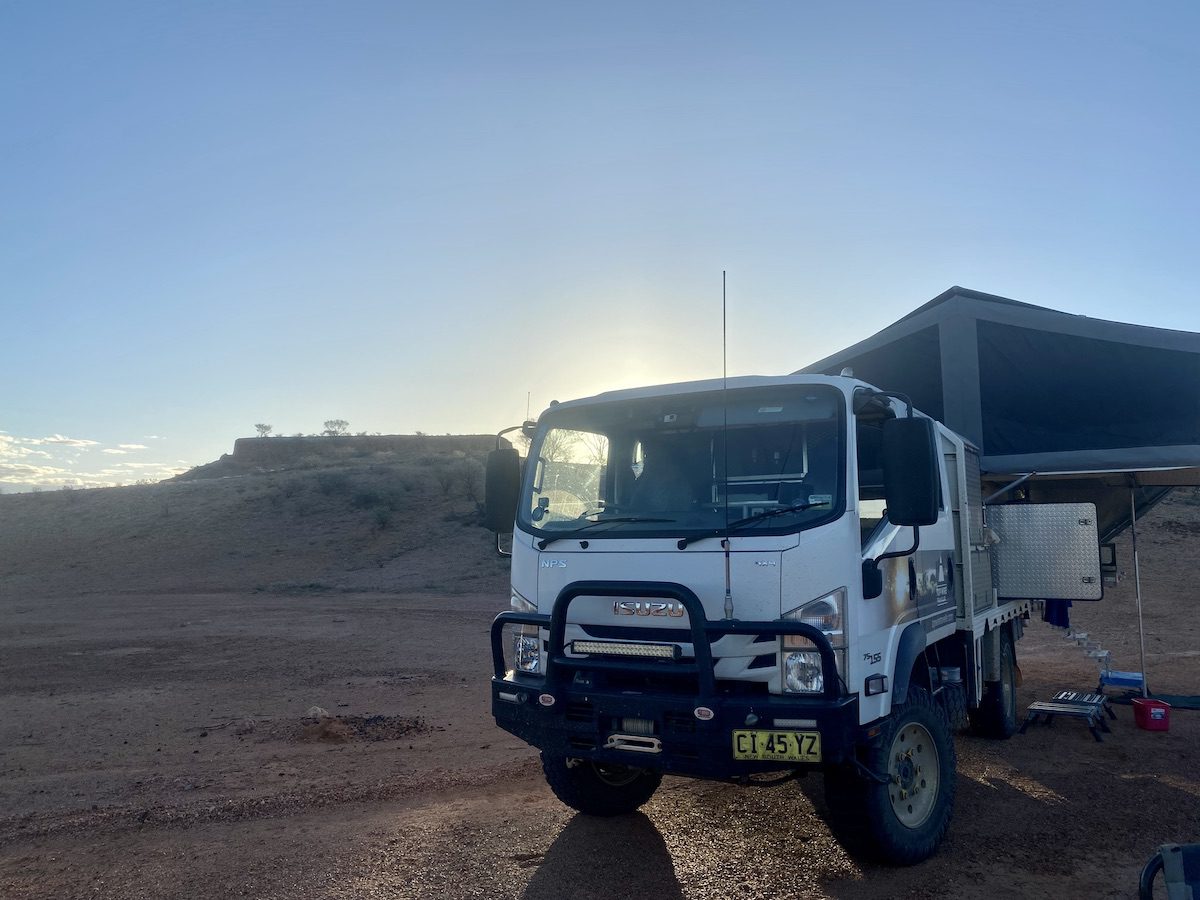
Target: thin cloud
x,y
60,461
11,447
62,439
21,473
64,463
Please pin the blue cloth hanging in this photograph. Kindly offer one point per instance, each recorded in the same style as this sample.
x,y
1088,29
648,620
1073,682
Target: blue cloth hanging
x,y
1057,613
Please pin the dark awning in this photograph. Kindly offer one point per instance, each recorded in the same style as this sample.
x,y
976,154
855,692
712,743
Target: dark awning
x,y
1037,390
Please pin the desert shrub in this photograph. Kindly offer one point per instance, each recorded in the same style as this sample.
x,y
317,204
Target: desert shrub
x,y
470,474
331,483
366,498
446,477
306,507
293,487
410,478
375,498
382,518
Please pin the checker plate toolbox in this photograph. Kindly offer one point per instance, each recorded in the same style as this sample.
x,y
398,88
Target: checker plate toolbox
x,y
1046,551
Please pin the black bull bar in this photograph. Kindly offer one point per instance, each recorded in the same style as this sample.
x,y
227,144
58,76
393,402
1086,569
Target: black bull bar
x,y
520,705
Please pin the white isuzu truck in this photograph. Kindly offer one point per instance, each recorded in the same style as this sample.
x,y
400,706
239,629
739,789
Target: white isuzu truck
x,y
750,579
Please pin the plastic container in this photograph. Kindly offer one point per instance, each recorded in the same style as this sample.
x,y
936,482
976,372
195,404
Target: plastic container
x,y
1152,715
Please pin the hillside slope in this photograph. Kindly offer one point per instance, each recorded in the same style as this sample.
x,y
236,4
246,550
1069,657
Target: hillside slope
x,y
405,519
339,516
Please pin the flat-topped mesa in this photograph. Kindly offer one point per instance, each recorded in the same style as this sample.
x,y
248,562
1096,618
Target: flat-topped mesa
x,y
277,451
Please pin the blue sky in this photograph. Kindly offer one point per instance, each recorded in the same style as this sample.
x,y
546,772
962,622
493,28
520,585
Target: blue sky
x,y
410,216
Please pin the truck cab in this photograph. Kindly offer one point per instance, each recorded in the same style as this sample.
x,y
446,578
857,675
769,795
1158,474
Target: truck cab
x,y
750,579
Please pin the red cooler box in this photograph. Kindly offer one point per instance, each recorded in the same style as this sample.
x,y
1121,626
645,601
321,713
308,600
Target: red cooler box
x,y
1152,715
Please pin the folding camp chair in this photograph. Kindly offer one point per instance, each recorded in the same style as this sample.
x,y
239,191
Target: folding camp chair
x,y
1115,678
1180,867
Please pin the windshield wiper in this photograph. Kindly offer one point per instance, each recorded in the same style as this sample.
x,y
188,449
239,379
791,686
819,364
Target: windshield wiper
x,y
767,514
618,520
749,520
601,511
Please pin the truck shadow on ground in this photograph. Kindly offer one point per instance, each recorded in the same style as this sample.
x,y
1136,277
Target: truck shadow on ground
x,y
1049,814
615,857
1021,832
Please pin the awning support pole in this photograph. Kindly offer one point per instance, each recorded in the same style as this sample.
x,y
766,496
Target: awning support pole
x,y
1008,487
1137,579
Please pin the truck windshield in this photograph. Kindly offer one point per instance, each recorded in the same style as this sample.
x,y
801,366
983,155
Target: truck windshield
x,y
672,465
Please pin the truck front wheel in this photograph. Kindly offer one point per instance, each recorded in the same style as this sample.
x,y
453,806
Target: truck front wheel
x,y
599,789
903,821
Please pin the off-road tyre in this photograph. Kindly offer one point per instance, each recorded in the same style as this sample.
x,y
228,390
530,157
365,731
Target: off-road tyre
x,y
877,820
953,699
599,789
996,716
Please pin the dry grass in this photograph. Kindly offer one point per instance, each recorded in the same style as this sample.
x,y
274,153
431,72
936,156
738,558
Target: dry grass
x,y
378,522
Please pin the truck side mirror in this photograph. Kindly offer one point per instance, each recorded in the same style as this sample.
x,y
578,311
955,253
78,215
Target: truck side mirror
x,y
501,489
872,579
911,482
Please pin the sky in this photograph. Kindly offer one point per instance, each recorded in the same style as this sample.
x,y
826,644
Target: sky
x,y
427,216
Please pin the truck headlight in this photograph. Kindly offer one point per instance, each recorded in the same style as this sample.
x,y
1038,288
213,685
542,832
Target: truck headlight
x,y
802,672
527,650
801,660
527,641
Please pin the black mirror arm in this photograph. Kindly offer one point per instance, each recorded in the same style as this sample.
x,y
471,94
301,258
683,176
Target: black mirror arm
x,y
909,552
500,434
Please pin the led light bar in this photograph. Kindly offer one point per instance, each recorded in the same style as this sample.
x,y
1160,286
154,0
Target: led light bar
x,y
626,648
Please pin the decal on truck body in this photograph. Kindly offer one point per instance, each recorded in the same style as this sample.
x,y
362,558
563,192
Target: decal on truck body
x,y
920,586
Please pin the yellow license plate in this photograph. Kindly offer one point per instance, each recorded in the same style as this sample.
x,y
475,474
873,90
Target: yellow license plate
x,y
782,746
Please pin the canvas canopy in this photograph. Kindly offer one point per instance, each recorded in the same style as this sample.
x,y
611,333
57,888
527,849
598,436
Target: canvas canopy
x,y
1093,407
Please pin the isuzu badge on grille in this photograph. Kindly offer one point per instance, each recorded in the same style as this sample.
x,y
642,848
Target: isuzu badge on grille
x,y
648,608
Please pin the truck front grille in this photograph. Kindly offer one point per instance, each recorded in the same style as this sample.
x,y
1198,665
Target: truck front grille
x,y
580,711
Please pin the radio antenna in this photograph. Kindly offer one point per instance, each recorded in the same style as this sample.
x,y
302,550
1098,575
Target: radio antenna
x,y
725,441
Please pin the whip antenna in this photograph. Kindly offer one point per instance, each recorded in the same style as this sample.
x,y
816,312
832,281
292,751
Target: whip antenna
x,y
725,441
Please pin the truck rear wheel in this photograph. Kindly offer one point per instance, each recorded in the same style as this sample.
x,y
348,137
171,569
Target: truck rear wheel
x,y
903,821
599,789
996,716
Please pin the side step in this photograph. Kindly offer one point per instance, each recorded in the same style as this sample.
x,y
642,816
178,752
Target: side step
x,y
1073,704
